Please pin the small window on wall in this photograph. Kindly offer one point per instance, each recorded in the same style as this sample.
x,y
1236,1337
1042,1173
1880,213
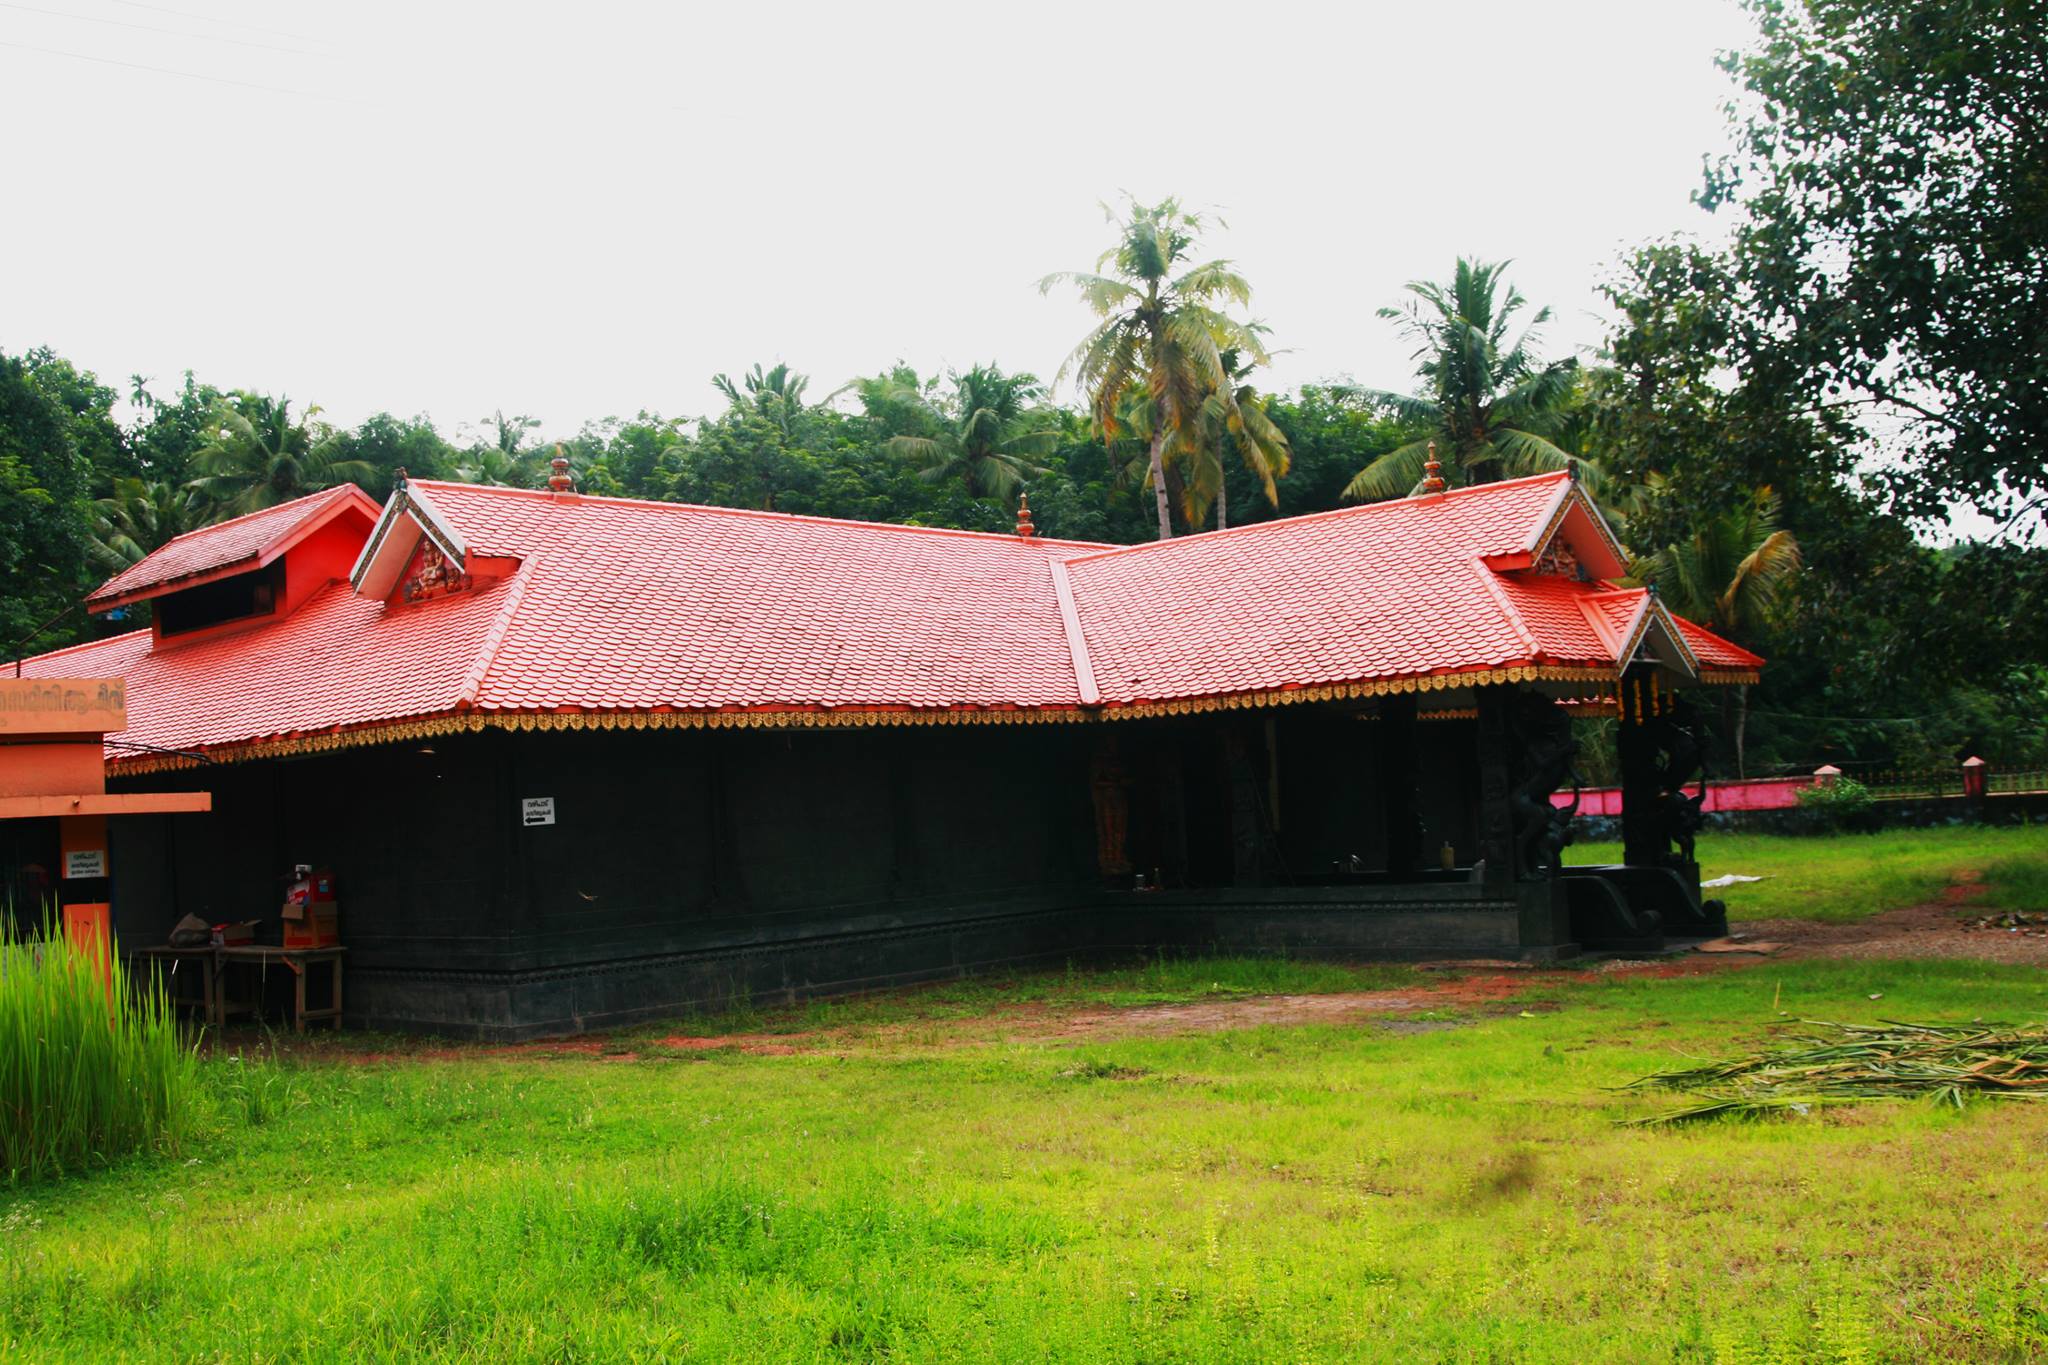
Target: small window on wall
x,y
225,599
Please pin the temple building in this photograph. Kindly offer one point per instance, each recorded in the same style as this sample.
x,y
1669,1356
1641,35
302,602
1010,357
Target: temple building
x,y
574,761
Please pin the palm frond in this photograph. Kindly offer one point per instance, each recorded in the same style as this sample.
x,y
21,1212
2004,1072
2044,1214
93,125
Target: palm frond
x,y
1524,452
1409,409
1392,475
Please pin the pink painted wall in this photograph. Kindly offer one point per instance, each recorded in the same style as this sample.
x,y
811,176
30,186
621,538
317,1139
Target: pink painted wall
x,y
1761,793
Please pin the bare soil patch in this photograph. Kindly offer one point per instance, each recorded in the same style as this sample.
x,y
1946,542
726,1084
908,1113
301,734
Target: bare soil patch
x,y
1944,927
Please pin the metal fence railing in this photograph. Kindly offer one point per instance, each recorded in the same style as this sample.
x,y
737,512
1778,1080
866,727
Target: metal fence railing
x,y
1907,784
1899,785
2019,780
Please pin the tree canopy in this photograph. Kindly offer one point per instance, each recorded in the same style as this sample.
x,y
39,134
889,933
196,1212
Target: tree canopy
x,y
1491,407
1891,248
1164,329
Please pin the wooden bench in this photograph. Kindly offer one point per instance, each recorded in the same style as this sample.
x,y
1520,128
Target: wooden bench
x,y
213,964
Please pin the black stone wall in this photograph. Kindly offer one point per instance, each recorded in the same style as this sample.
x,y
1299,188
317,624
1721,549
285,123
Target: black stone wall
x,y
692,869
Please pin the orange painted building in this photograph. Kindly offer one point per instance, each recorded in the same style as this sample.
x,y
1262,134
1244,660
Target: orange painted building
x,y
54,798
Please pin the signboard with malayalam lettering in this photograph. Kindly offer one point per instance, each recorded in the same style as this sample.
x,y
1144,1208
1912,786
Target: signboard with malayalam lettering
x,y
62,706
81,863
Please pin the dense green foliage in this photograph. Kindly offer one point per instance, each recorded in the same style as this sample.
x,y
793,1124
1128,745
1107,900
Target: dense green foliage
x,y
1869,349
91,1068
1891,253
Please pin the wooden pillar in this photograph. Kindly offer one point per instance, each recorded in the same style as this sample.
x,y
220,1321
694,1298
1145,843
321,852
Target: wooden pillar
x,y
1496,813
1397,784
727,879
906,867
1249,835
508,869
1644,840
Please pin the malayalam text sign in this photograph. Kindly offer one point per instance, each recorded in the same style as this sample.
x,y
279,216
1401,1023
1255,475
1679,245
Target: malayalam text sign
x,y
62,706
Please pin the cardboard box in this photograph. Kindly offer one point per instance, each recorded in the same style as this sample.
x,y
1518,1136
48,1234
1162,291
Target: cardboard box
x,y
314,926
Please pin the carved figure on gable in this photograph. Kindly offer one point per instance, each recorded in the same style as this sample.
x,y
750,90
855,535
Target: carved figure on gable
x,y
1559,561
430,574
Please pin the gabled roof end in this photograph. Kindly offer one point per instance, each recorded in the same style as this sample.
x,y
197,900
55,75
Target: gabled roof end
x,y
409,517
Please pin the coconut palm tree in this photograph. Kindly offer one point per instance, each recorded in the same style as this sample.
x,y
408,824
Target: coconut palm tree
x,y
987,434
140,517
777,394
1232,422
492,465
1489,406
256,456
1731,575
1162,328
897,402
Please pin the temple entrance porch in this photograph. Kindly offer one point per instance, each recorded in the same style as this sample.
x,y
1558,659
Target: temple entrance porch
x,y
1407,825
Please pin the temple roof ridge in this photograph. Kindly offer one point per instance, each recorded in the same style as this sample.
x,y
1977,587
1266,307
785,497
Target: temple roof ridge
x,y
586,499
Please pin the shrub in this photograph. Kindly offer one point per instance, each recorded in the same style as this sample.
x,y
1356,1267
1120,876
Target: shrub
x,y
1838,803
91,1067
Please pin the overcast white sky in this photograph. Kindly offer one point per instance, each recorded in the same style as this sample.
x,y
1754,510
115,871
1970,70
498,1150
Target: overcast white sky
x,y
578,209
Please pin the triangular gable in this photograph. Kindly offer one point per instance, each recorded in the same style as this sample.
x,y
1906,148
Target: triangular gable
x,y
409,520
1663,637
1654,632
1576,528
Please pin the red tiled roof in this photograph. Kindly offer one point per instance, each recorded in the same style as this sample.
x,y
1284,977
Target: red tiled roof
x,y
621,606
646,604
338,661
1386,590
243,542
1716,652
1554,611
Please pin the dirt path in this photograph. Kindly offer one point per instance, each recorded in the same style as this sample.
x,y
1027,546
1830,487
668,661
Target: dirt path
x,y
1464,987
1944,927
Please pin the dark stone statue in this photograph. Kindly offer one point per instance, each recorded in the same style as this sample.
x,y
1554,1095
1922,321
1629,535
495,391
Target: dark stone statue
x,y
1682,759
1544,748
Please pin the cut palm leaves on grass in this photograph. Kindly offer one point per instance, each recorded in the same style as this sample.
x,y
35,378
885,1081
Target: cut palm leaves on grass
x,y
1844,1063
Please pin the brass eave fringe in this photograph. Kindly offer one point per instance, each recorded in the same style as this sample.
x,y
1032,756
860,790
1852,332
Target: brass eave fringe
x,y
475,722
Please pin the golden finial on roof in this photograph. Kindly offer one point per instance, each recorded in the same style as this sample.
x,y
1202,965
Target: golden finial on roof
x,y
1024,526
561,480
1432,473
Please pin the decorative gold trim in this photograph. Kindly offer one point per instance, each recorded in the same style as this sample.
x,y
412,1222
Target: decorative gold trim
x,y
473,722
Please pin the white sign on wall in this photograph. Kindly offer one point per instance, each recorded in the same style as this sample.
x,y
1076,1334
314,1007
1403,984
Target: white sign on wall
x,y
85,862
537,810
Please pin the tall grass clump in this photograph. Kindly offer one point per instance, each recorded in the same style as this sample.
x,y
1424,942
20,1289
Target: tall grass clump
x,y
91,1067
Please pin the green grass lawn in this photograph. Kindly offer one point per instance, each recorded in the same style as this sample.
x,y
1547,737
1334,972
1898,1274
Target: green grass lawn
x,y
1850,876
1454,1191
1153,981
